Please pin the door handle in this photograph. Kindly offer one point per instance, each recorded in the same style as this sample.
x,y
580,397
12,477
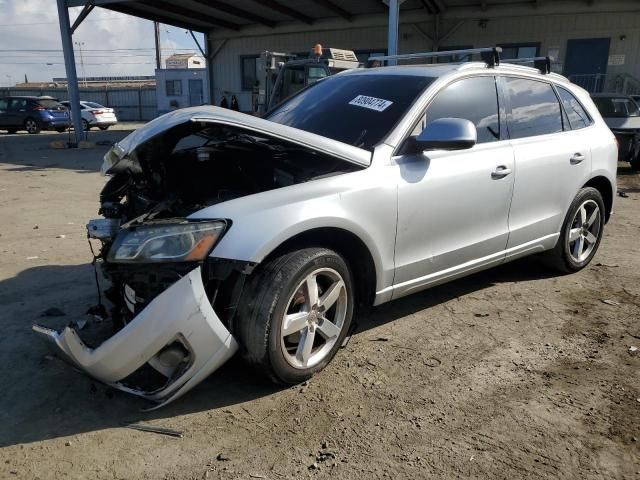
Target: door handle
x,y
576,159
500,172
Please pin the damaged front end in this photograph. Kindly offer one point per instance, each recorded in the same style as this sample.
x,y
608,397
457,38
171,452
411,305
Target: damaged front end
x,y
173,302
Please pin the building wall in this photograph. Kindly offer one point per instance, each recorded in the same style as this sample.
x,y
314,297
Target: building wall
x,y
165,102
552,31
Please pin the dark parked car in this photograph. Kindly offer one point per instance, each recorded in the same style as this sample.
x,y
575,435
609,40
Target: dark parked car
x,y
622,116
33,114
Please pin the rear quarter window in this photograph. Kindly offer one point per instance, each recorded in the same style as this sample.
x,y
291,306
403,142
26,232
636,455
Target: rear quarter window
x,y
578,117
535,109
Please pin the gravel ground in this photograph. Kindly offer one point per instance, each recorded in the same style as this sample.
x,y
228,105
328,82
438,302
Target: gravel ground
x,y
511,373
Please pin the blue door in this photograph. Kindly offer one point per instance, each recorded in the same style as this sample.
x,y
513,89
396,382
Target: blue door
x,y
586,62
196,96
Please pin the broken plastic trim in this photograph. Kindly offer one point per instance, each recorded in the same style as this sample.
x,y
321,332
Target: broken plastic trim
x,y
181,311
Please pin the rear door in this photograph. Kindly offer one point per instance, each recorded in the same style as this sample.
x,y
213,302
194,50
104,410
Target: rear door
x,y
17,113
552,162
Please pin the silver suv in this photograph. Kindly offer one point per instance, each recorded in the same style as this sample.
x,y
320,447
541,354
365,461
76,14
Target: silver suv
x,y
222,231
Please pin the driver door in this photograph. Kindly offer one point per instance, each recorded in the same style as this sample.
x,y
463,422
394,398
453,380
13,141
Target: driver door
x,y
453,206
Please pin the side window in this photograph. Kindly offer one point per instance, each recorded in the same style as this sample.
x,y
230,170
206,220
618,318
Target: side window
x,y
578,117
535,109
4,104
474,99
17,104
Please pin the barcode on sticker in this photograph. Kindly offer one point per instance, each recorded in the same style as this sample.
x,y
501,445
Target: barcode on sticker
x,y
372,103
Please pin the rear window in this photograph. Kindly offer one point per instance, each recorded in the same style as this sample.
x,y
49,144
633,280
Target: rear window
x,y
578,117
93,105
48,103
359,110
616,107
535,109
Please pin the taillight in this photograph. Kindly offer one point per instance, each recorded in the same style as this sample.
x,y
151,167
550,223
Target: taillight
x,y
97,112
39,107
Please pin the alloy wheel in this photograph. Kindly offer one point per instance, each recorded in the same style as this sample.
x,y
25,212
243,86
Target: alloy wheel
x,y
314,318
584,231
31,126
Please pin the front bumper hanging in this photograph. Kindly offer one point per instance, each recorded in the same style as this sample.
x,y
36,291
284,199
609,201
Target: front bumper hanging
x,y
181,313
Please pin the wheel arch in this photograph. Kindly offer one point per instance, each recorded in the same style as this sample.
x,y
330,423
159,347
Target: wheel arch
x,y
350,246
603,185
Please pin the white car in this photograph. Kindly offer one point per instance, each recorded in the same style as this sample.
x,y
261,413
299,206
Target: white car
x,y
95,115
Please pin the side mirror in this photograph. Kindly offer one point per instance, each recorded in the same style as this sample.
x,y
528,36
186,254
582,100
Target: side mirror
x,y
446,134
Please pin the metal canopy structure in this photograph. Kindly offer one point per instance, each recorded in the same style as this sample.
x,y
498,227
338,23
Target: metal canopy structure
x,y
238,18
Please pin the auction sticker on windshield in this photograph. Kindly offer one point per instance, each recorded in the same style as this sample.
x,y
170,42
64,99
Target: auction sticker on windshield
x,y
372,103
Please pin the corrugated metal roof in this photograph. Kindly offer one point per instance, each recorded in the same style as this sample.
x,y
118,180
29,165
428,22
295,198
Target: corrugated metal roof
x,y
236,15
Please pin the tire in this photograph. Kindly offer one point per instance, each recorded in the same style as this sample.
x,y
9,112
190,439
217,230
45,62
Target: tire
x,y
31,125
85,125
280,286
569,255
104,127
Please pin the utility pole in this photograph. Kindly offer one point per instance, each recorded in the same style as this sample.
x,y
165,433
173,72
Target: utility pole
x,y
156,27
84,73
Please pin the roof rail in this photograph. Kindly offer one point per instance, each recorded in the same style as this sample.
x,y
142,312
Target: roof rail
x,y
540,63
490,55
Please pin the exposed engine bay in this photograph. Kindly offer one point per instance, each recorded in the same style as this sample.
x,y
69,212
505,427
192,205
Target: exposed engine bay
x,y
195,165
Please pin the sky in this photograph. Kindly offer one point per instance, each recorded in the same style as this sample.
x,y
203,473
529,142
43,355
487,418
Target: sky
x,y
112,43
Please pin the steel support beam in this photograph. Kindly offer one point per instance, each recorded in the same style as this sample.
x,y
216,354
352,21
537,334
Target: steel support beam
x,y
86,10
394,20
70,68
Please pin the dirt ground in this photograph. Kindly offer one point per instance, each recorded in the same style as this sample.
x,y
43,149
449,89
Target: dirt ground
x,y
511,373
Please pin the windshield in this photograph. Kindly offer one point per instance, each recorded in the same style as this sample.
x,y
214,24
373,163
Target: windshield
x,y
359,110
616,107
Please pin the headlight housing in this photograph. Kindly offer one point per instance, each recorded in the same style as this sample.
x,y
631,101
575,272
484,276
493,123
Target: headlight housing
x,y
183,242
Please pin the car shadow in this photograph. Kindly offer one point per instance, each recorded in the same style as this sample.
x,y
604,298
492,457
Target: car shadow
x,y
43,398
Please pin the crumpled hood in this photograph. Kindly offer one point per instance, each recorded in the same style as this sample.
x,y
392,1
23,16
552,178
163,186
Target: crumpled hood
x,y
623,123
231,118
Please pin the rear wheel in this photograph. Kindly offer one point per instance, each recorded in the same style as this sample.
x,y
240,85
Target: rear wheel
x,y
85,125
581,232
31,125
296,313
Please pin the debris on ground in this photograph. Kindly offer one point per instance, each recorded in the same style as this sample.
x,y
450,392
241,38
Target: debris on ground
x,y
479,315
623,194
150,428
53,312
633,349
610,265
222,457
379,339
36,227
610,302
33,258
61,236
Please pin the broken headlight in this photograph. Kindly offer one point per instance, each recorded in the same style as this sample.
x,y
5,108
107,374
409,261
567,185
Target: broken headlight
x,y
184,242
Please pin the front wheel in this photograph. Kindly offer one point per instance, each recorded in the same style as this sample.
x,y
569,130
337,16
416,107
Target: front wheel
x,y
85,125
295,314
581,232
